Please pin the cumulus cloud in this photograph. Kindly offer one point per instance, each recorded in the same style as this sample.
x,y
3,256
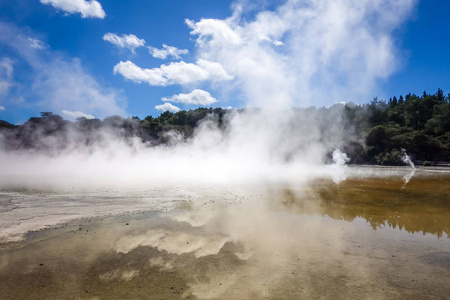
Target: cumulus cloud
x,y
197,97
87,9
173,73
278,43
37,44
2,108
306,52
129,41
214,33
167,51
76,114
167,107
215,70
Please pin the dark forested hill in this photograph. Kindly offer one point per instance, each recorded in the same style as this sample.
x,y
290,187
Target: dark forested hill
x,y
372,133
419,124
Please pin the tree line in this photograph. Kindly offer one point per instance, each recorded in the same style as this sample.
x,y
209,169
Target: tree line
x,y
372,133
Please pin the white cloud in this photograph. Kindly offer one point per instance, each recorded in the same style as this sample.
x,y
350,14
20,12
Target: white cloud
x,y
87,9
2,108
214,33
54,82
338,49
215,70
173,73
6,75
197,97
167,107
129,41
37,44
77,114
278,43
167,51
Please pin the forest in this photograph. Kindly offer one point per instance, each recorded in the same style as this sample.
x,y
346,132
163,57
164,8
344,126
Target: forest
x,y
372,133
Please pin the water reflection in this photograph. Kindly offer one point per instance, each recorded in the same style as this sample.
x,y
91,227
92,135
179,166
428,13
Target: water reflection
x,y
287,242
408,176
422,206
173,242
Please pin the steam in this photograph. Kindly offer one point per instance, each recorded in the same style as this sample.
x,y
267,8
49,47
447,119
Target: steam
x,y
300,53
340,158
407,160
254,147
305,52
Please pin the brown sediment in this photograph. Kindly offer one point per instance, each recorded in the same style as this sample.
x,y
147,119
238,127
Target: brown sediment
x,y
423,206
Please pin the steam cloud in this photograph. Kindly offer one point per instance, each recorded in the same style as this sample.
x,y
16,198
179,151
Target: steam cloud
x,y
305,52
302,52
251,147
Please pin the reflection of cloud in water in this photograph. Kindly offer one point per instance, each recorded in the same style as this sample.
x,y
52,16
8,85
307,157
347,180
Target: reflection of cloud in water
x,y
267,245
194,218
239,251
245,254
214,288
160,263
126,275
172,242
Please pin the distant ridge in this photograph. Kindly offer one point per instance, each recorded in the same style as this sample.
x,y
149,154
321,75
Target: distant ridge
x,y
4,124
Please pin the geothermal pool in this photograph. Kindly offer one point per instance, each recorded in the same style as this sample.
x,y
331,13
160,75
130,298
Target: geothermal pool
x,y
378,233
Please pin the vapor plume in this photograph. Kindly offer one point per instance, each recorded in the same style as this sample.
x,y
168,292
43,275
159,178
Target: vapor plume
x,y
300,53
305,52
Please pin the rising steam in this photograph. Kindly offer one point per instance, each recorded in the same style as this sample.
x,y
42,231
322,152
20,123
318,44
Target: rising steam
x,y
254,147
302,52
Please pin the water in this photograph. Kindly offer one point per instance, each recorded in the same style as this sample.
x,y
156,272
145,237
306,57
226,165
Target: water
x,y
364,238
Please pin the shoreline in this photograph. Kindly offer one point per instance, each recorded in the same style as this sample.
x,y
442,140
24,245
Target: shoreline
x,y
22,213
25,210
28,212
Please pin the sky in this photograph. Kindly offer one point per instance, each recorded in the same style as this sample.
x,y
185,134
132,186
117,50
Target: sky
x,y
99,58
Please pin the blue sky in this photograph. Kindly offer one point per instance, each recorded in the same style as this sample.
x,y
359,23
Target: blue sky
x,y
56,55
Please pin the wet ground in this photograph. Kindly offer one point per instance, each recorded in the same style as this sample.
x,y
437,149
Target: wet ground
x,y
363,238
